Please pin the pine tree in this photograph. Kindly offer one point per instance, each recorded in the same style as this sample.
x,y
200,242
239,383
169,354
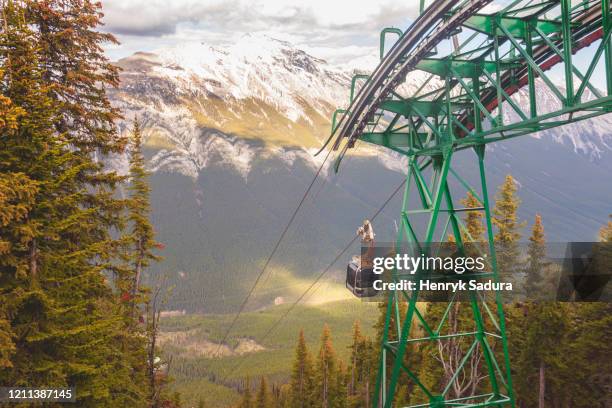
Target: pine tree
x,y
584,359
539,359
538,271
302,381
79,72
141,240
247,398
508,230
262,399
40,272
62,315
363,360
327,389
17,194
357,359
473,220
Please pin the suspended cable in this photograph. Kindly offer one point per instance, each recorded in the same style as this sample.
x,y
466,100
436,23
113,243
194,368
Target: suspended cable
x,y
327,269
276,246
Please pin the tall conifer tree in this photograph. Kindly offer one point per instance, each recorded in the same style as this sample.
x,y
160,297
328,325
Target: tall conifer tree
x,y
75,64
262,399
58,297
327,389
247,397
302,381
507,236
62,316
536,267
473,219
141,238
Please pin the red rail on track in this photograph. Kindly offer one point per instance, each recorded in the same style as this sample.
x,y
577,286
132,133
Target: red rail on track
x,y
545,66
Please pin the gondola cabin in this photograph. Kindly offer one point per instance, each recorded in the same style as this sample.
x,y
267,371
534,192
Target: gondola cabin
x,y
360,281
360,275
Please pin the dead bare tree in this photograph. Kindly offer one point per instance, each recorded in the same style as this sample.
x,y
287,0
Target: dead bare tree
x,y
157,369
451,352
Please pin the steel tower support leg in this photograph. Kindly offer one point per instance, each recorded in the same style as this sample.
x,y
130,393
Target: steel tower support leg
x,y
607,26
402,329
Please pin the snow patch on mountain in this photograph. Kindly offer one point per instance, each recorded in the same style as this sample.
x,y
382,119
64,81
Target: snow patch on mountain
x,y
289,157
195,101
591,137
257,67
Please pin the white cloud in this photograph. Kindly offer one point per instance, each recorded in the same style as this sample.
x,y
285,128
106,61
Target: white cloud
x,y
338,30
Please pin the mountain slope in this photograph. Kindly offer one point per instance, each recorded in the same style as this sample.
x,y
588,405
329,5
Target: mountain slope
x,y
230,136
258,88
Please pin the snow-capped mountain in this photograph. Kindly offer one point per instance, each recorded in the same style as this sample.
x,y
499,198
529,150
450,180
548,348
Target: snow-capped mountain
x,y
265,90
230,135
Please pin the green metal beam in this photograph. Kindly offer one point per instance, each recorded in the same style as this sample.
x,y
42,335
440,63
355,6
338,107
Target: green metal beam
x,y
383,36
443,67
500,25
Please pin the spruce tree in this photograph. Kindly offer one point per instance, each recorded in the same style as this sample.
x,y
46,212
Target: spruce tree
x,y
262,399
54,290
138,243
302,382
17,194
508,233
77,75
583,378
79,72
283,396
436,363
361,368
541,355
473,220
542,324
411,356
505,212
538,271
340,385
141,239
327,389
61,315
247,398
357,359
370,369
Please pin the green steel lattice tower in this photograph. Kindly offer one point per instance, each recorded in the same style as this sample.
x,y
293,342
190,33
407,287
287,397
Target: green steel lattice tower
x,y
480,56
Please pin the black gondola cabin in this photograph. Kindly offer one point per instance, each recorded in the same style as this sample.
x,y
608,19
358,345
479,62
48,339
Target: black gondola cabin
x,y
360,280
360,275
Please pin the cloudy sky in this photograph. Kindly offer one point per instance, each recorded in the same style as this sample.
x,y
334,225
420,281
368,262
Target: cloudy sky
x,y
340,31
336,30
